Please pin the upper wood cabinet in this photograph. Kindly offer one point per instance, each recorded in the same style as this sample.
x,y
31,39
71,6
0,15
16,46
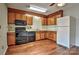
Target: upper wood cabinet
x,y
44,21
51,21
11,17
52,18
18,16
24,17
57,16
29,20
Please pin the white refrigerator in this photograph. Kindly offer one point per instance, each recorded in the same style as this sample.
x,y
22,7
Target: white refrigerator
x,y
66,29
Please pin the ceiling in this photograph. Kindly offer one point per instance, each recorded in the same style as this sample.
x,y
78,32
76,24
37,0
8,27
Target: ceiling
x,y
51,9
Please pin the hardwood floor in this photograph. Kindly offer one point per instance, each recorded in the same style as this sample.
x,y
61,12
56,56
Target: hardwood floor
x,y
42,47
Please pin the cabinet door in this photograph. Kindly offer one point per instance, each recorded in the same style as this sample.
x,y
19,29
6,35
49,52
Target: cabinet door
x,y
18,16
44,21
47,35
51,35
42,35
29,20
24,17
38,36
55,36
11,18
51,21
11,38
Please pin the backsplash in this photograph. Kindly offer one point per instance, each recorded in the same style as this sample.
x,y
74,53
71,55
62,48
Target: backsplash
x,y
50,27
11,27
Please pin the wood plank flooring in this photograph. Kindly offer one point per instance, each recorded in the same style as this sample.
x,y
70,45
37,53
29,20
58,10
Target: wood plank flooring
x,y
42,47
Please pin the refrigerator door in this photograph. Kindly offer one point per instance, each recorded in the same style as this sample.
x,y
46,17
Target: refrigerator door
x,y
63,21
63,36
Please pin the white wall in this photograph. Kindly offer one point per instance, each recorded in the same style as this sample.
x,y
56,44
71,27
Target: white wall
x,y
3,30
74,11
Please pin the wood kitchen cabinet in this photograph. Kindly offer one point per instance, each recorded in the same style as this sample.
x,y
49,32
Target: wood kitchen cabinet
x,y
11,38
51,35
46,34
44,21
11,18
24,17
51,21
57,16
29,20
40,35
18,16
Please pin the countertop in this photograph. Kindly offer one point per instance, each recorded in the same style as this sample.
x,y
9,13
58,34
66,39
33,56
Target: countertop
x,y
28,30
11,28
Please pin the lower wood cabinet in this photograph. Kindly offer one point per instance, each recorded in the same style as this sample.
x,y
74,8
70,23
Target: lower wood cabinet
x,y
46,35
11,38
40,35
51,35
37,35
44,21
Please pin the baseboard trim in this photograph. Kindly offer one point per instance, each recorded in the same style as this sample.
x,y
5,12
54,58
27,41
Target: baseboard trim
x,y
5,51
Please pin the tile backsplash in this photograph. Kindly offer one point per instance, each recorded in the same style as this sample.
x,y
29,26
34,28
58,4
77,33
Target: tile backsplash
x,y
11,27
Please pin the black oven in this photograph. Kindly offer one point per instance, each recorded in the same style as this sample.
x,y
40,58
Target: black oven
x,y
22,36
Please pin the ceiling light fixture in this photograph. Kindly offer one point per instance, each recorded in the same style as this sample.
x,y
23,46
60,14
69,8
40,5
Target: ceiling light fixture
x,y
37,8
61,4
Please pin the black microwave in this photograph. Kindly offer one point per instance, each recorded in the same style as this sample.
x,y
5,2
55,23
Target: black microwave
x,y
20,22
